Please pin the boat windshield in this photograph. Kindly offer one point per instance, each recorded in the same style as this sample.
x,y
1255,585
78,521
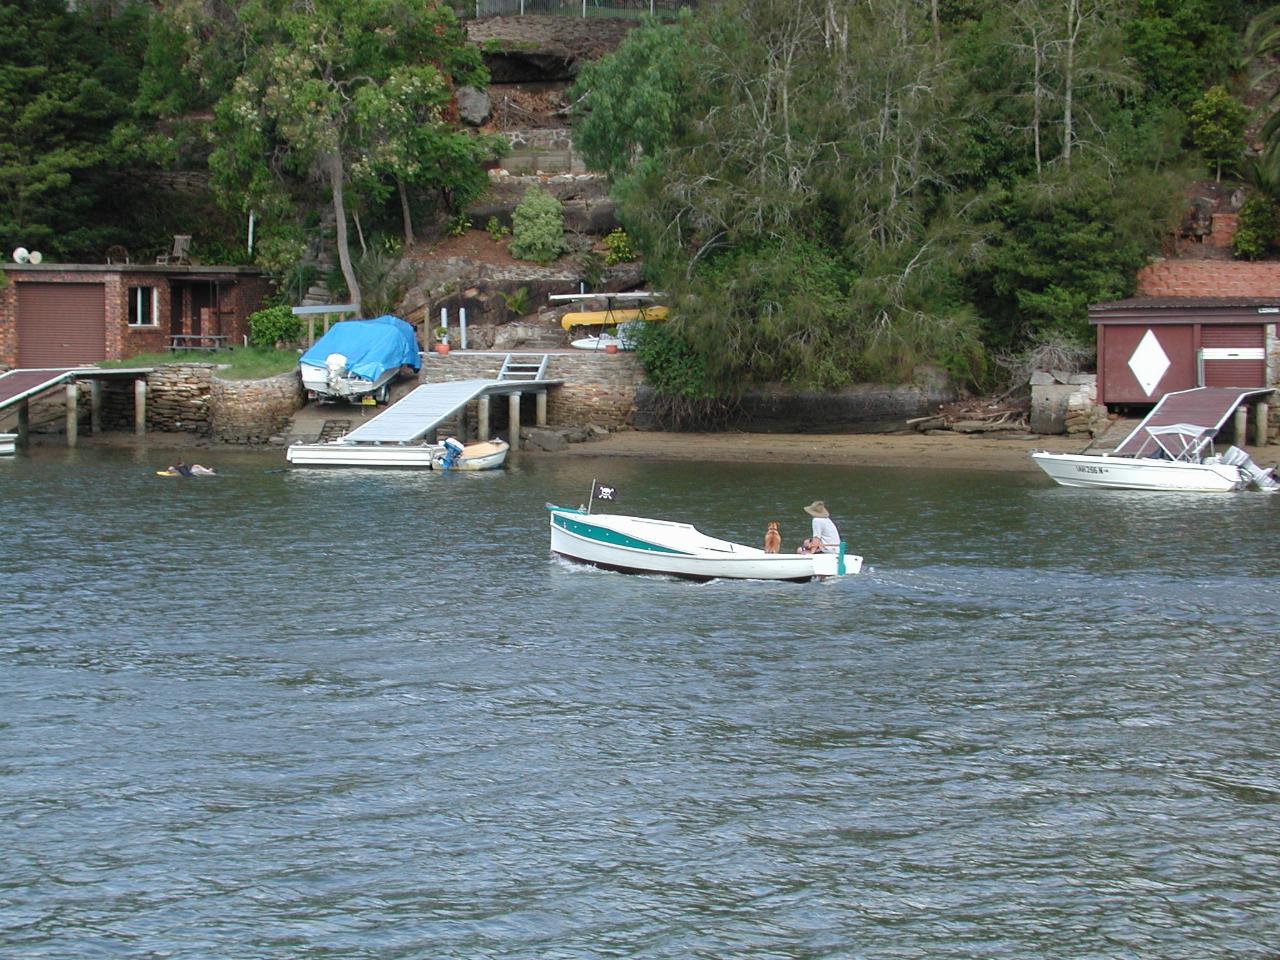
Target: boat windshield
x,y
1186,442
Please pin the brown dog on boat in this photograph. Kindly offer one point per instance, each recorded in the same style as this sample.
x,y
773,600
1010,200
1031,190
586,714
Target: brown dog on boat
x,y
772,538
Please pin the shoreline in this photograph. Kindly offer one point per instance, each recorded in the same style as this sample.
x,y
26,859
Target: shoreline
x,y
1000,452
991,452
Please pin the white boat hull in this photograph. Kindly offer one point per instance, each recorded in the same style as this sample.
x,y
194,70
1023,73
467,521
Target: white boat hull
x,y
8,444
478,456
640,545
1139,473
316,381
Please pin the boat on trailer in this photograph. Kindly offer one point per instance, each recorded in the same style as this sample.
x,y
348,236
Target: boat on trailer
x,y
1171,449
449,455
646,546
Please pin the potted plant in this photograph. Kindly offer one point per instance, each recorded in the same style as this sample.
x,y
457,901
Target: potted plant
x,y
442,340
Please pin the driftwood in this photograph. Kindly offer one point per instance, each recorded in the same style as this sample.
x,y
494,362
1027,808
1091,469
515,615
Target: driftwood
x,y
974,416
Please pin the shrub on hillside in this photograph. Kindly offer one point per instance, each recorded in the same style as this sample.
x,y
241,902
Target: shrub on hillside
x,y
1256,228
274,325
537,227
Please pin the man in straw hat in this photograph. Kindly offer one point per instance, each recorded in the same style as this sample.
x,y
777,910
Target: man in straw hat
x,y
826,538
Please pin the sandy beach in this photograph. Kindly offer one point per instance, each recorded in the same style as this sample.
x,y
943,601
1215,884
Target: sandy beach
x,y
950,451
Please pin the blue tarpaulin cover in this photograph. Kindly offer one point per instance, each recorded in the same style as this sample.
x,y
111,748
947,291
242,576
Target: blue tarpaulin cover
x,y
372,347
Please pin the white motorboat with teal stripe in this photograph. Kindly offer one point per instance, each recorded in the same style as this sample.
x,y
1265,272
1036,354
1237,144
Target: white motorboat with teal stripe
x,y
641,545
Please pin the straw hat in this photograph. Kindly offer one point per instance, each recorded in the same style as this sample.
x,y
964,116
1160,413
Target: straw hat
x,y
817,509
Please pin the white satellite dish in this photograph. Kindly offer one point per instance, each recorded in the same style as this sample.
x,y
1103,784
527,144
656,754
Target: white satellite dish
x,y
35,256
21,255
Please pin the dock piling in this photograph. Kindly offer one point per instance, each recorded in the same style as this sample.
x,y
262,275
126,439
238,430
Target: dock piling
x,y
73,411
513,416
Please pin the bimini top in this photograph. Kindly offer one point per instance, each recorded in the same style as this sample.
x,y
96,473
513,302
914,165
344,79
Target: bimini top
x,y
1183,419
372,347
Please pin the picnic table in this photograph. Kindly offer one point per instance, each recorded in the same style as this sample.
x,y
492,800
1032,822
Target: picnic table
x,y
196,341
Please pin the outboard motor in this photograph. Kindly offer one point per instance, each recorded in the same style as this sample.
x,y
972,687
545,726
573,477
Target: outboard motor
x,y
452,451
335,365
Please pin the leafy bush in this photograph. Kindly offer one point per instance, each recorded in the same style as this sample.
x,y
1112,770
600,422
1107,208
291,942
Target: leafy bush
x,y
591,266
459,225
618,248
1256,228
497,229
518,302
537,227
274,325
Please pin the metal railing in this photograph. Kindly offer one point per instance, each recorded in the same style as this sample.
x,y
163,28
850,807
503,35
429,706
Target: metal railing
x,y
572,8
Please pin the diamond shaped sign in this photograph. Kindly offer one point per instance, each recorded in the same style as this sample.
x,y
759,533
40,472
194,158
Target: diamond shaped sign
x,y
1149,362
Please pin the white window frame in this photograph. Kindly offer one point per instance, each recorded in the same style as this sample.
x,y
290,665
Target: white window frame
x,y
136,293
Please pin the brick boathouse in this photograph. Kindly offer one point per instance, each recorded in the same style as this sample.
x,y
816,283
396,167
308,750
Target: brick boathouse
x,y
57,315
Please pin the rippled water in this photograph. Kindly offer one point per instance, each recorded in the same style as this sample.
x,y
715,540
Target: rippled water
x,y
305,714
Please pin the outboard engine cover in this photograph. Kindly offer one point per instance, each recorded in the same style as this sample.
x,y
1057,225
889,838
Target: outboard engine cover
x,y
335,365
452,451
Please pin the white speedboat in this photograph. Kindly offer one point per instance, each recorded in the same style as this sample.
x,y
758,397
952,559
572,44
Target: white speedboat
x,y
356,360
1171,449
641,545
8,444
1212,475
449,455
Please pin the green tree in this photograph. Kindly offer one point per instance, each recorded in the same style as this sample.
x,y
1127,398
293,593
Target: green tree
x,y
1217,123
351,92
66,79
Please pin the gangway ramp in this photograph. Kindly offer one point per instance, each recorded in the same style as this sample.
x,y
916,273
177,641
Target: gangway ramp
x,y
424,408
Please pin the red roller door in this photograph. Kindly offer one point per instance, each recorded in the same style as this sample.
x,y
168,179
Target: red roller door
x,y
61,324
1233,355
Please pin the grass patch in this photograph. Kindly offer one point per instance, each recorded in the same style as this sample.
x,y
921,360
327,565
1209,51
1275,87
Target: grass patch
x,y
242,363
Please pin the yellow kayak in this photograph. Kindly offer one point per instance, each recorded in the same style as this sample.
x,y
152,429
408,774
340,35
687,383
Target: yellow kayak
x,y
598,318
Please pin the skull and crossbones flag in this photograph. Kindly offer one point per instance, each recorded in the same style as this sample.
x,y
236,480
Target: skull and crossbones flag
x,y
604,491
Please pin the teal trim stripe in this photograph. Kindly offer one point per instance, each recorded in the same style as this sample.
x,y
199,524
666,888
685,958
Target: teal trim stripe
x,y
610,537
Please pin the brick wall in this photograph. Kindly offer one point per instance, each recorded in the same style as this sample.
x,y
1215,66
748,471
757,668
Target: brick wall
x,y
239,299
8,323
1209,278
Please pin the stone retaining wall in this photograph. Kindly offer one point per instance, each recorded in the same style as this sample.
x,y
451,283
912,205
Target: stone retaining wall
x,y
254,411
868,408
177,400
598,387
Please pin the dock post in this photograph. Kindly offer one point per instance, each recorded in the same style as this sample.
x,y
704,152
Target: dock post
x,y
513,416
1239,423
140,406
482,417
1260,423
462,423
95,406
73,411
541,418
24,422
311,330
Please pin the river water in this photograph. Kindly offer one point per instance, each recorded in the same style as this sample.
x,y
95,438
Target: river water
x,y
353,714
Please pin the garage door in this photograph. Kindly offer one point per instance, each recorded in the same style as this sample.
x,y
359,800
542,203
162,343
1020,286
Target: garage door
x,y
61,324
1233,355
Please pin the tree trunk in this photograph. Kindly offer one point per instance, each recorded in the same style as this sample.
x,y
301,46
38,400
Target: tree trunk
x,y
336,177
405,215
1068,78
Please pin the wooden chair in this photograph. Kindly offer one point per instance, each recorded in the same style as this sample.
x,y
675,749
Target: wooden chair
x,y
181,247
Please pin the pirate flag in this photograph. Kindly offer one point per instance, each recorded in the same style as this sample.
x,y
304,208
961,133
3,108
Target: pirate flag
x,y
604,491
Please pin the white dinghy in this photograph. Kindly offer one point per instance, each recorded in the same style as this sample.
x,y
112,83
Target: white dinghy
x,y
643,545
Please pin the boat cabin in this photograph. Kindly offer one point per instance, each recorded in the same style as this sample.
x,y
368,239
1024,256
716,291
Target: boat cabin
x,y
1151,346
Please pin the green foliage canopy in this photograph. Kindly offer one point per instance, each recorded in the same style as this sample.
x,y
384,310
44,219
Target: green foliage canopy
x,y
839,193
66,79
